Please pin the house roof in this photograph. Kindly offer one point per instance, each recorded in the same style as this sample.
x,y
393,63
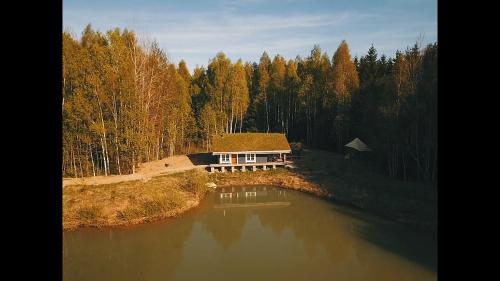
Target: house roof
x,y
250,142
358,145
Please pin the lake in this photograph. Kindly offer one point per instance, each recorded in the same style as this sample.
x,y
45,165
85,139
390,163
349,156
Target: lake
x,y
254,233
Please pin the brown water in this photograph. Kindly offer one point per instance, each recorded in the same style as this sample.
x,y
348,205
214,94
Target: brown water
x,y
275,235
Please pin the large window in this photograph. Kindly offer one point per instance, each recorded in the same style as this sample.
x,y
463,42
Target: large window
x,y
250,194
225,158
250,158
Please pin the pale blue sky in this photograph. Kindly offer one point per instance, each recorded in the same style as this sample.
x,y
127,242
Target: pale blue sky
x,y
196,30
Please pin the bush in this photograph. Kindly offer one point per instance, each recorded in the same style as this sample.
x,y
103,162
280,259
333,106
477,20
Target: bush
x,y
113,195
196,183
89,213
129,213
162,203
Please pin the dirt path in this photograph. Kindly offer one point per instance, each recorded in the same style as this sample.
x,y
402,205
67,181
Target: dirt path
x,y
145,172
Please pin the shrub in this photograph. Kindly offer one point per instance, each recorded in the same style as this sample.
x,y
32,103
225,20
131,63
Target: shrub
x,y
129,213
162,203
89,213
153,207
113,195
195,182
70,202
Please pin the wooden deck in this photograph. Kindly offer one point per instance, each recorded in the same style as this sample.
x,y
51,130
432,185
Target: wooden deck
x,y
247,166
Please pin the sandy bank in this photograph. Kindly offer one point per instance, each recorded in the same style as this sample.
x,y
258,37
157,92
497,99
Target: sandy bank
x,y
145,172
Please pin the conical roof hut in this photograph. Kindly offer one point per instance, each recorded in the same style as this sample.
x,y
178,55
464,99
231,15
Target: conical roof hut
x,y
358,145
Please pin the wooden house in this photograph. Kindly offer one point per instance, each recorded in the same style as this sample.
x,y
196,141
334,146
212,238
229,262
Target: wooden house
x,y
249,151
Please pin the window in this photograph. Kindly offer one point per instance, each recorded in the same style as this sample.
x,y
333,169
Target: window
x,y
225,158
250,158
250,194
226,195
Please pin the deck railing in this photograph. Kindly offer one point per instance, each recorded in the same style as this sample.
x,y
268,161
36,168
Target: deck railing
x,y
243,167
278,163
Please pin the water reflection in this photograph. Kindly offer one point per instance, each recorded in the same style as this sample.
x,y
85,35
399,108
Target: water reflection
x,y
234,206
257,233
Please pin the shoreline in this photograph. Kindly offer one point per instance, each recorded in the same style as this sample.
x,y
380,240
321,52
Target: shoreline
x,y
133,202
281,179
140,221
161,197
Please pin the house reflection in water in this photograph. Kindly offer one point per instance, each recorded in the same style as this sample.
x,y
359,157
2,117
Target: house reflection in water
x,y
255,196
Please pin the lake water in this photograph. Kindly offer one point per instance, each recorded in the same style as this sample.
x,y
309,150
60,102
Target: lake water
x,y
254,233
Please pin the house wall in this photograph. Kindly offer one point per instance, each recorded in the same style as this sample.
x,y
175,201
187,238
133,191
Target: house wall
x,y
241,158
259,158
214,159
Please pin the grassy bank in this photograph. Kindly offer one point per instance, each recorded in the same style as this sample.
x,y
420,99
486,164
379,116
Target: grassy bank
x,y
279,177
321,173
132,202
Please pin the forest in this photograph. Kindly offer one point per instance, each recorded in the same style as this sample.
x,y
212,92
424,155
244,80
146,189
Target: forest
x,y
125,102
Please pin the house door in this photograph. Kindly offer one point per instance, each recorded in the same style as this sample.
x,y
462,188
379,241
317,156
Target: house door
x,y
233,158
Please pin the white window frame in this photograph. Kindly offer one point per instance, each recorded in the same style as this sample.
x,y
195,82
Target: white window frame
x,y
223,159
251,159
226,195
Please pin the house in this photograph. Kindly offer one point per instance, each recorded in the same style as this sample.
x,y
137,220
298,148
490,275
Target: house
x,y
249,150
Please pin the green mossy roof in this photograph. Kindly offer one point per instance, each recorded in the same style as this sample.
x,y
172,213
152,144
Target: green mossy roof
x,y
250,142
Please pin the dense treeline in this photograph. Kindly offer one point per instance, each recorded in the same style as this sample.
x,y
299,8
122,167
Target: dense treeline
x,y
124,103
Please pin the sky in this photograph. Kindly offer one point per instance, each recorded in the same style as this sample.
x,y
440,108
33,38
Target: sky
x,y
197,30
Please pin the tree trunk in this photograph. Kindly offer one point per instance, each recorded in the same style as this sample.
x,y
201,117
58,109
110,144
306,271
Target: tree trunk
x,y
267,113
92,159
434,166
103,138
133,162
104,158
79,158
65,162
241,119
231,123
115,117
404,166
118,157
171,148
161,145
73,158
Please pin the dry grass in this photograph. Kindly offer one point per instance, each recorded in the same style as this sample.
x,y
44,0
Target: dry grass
x,y
279,177
132,202
322,173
